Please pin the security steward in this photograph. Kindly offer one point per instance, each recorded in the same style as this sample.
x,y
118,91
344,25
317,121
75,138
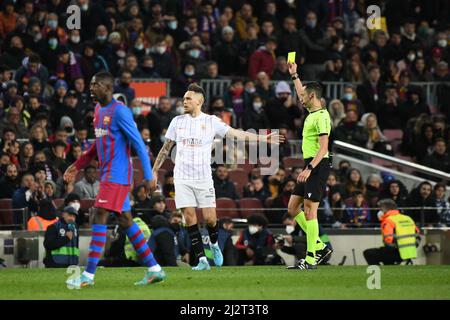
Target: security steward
x,y
400,237
61,241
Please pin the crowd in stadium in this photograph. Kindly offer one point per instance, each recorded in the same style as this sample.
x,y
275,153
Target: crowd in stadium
x,y
46,113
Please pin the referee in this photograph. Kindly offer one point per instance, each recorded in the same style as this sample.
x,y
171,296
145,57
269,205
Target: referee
x,y
311,181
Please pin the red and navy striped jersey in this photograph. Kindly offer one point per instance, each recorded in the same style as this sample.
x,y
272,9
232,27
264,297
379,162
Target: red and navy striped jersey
x,y
115,133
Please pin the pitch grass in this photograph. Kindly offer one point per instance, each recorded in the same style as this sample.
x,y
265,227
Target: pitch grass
x,y
229,283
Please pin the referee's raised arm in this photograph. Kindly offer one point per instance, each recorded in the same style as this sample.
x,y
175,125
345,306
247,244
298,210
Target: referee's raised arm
x,y
292,67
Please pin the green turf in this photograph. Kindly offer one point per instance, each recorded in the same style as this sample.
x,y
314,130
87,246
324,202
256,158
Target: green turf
x,y
328,282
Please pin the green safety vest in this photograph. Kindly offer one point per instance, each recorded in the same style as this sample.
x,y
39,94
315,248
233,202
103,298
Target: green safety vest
x,y
405,236
130,253
69,253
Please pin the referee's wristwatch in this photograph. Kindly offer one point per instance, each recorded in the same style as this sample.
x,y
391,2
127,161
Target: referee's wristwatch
x,y
310,167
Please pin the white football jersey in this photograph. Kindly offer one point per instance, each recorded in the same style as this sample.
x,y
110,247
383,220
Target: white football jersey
x,y
194,139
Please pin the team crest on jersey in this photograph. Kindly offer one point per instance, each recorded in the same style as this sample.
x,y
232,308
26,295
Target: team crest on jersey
x,y
106,120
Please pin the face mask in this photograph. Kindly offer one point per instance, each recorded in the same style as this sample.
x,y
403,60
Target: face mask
x,y
75,39
250,90
139,47
290,229
53,24
290,1
340,47
257,106
411,57
253,229
180,110
380,214
53,43
189,73
76,205
163,139
136,111
85,7
348,96
175,226
311,23
172,25
194,53
442,43
37,37
102,38
161,50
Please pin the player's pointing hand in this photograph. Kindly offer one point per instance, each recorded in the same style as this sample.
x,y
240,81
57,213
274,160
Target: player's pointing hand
x,y
70,173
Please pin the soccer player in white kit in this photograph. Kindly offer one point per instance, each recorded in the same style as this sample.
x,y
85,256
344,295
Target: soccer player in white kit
x,y
194,134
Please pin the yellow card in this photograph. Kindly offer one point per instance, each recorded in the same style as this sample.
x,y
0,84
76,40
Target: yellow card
x,y
291,57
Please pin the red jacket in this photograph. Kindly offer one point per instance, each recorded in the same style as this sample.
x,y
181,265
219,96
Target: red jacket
x,y
261,60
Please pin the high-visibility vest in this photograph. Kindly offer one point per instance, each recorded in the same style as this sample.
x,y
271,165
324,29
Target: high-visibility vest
x,y
405,235
69,253
130,253
37,223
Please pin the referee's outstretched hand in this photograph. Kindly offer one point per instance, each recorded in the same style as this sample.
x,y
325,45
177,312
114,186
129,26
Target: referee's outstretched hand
x,y
275,138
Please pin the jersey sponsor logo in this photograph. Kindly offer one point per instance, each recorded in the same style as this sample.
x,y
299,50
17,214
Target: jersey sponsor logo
x,y
99,132
102,201
192,142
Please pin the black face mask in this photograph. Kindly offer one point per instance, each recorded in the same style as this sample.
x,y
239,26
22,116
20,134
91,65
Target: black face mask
x,y
175,227
148,69
124,84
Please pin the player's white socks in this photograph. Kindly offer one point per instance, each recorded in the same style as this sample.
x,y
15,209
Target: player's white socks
x,y
88,275
155,268
204,260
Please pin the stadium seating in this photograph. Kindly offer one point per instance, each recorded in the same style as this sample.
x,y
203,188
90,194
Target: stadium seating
x,y
137,165
240,178
87,204
226,207
58,202
249,206
170,204
161,175
291,162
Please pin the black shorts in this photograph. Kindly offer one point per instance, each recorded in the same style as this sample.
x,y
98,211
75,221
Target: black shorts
x,y
314,188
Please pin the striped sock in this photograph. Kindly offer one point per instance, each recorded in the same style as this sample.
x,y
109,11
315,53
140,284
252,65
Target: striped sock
x,y
140,245
96,247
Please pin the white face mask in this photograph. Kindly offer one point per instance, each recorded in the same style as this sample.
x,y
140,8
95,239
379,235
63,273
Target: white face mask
x,y
76,205
290,229
161,50
442,43
75,39
411,57
253,229
380,214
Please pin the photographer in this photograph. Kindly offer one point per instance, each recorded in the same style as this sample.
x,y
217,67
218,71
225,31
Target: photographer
x,y
61,241
296,240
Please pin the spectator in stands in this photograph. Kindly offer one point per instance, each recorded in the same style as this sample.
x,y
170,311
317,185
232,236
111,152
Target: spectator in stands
x,y
439,158
124,86
263,59
68,66
148,68
350,131
351,101
281,201
50,190
8,18
373,189
263,87
422,197
289,40
10,182
255,243
419,71
163,60
183,243
142,204
88,187
46,216
226,53
281,72
61,241
162,241
256,117
377,141
35,107
334,69
218,109
14,54
442,204
91,62
38,138
25,156
357,211
337,112
354,182
223,186
282,110
13,121
165,112
158,207
423,143
414,104
31,67
257,189
390,117
56,155
243,18
372,90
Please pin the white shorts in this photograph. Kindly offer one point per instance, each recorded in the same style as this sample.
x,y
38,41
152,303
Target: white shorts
x,y
195,194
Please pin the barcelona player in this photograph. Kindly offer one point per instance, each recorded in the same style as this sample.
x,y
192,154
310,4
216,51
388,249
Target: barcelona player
x,y
115,133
